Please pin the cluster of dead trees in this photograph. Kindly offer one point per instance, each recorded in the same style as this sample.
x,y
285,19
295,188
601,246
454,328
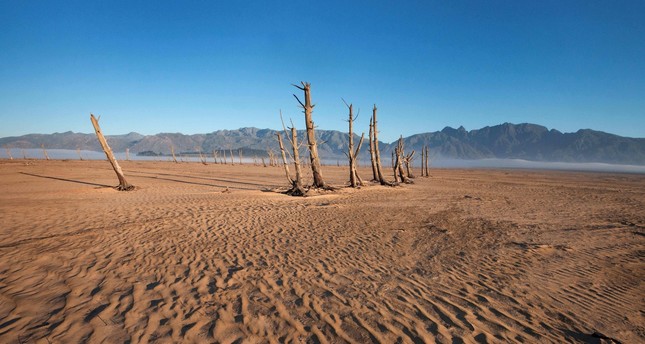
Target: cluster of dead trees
x,y
401,162
400,158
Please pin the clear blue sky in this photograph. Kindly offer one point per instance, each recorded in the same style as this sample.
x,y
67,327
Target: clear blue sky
x,y
200,66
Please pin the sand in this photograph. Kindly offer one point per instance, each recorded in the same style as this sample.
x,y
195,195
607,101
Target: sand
x,y
463,256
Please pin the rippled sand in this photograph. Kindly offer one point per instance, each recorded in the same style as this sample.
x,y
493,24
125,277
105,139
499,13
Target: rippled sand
x,y
462,256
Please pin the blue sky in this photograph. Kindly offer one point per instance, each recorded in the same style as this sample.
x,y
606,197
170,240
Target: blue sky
x,y
200,66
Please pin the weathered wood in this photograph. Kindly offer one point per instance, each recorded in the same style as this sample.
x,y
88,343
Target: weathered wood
x,y
123,184
44,152
400,157
78,151
354,179
127,154
172,151
377,153
9,153
408,161
285,164
311,136
371,149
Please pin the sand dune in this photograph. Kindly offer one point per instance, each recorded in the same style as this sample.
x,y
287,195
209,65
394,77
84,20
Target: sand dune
x,y
474,256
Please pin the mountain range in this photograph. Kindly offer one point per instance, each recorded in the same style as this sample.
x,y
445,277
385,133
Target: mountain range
x,y
506,141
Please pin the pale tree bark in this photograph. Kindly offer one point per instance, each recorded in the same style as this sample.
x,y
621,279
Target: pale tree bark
x,y
44,152
377,153
123,184
78,151
127,154
311,136
408,161
354,179
400,157
172,151
9,153
297,188
371,149
285,164
426,162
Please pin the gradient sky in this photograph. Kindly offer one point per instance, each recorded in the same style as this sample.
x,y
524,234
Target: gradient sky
x,y
200,66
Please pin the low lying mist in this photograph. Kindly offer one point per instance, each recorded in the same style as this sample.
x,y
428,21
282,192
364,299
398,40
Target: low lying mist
x,y
66,154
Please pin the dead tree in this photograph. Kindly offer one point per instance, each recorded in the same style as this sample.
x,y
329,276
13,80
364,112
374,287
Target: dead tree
x,y
231,151
172,151
426,162
78,151
127,154
9,153
311,136
408,161
44,152
354,178
201,156
24,155
239,151
123,184
285,164
297,188
371,149
377,153
398,168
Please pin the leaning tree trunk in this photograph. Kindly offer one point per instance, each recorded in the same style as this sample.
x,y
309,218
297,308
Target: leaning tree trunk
x,y
123,184
311,136
284,159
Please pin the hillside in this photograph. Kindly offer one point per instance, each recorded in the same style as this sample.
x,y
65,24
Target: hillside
x,y
505,141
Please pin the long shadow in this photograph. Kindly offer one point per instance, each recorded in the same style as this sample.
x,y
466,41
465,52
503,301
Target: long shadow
x,y
66,180
203,178
195,183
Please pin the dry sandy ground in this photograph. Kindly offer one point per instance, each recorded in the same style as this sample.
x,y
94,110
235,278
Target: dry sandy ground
x,y
462,256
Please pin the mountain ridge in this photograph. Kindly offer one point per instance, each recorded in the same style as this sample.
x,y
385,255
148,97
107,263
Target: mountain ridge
x,y
505,141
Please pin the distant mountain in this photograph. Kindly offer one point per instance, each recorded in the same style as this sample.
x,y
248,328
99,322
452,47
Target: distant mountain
x,y
505,141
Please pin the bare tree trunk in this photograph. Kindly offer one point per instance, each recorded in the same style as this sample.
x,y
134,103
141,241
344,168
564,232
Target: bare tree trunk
x,y
78,151
201,156
395,165
408,161
9,153
172,151
426,161
44,152
284,159
354,179
297,189
24,155
311,136
127,154
377,153
400,157
214,157
239,151
123,184
372,154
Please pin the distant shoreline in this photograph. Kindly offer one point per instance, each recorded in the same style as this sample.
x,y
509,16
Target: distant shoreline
x,y
67,154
